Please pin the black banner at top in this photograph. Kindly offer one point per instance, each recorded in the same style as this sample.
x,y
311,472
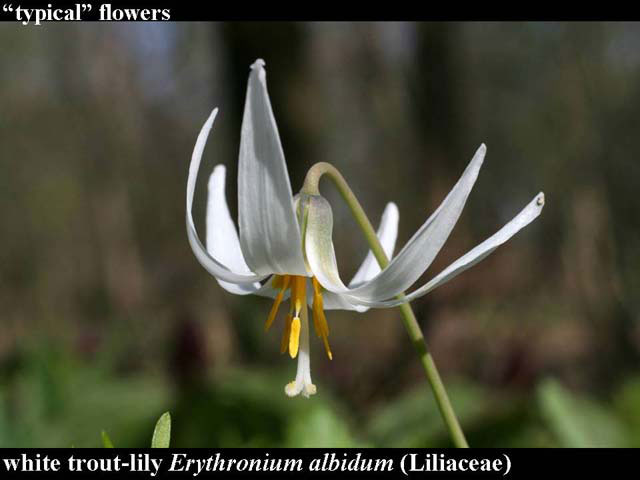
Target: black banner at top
x,y
37,12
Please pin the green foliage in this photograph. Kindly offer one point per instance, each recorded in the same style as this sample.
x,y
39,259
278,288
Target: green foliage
x,y
106,441
250,409
320,426
627,404
162,432
554,417
49,399
413,419
577,421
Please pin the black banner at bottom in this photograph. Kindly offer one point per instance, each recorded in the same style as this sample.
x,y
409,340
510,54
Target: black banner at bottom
x,y
313,463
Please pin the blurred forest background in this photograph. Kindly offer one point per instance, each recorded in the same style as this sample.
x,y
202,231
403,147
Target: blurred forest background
x,y
108,320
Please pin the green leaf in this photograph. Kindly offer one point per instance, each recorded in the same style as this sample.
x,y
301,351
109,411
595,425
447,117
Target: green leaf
x,y
578,421
106,441
412,420
627,404
320,426
162,432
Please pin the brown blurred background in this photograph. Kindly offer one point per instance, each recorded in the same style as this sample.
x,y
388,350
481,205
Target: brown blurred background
x,y
108,320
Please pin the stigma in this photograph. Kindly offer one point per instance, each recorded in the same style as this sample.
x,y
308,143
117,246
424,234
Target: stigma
x,y
295,336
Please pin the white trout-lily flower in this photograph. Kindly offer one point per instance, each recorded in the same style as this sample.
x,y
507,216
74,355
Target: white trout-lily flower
x,y
284,247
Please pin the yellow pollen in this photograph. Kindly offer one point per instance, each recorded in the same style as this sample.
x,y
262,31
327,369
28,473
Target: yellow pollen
x,y
284,343
294,338
291,335
281,282
319,320
327,348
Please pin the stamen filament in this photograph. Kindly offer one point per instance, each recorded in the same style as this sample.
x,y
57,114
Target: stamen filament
x,y
298,294
281,282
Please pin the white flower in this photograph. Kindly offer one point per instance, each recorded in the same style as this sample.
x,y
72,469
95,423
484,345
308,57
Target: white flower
x,y
269,257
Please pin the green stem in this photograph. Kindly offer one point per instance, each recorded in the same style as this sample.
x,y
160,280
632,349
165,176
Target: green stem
x,y
311,187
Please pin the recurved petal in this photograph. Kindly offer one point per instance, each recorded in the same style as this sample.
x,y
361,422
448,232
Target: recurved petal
x,y
473,256
387,234
409,264
222,237
213,266
335,301
269,231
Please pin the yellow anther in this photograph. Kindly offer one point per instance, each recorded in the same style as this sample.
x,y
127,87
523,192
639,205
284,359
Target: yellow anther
x,y
291,334
324,333
281,282
322,323
274,311
326,347
294,337
319,320
284,343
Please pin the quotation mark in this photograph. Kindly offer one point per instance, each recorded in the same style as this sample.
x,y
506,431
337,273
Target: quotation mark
x,y
7,8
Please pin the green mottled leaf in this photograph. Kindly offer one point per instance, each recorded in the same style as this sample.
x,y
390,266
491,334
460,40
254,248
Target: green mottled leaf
x,y
162,432
106,441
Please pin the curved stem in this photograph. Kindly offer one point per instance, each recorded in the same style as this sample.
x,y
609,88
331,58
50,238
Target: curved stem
x,y
311,187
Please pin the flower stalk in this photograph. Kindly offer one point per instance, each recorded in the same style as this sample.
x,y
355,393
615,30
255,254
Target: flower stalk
x,y
311,187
